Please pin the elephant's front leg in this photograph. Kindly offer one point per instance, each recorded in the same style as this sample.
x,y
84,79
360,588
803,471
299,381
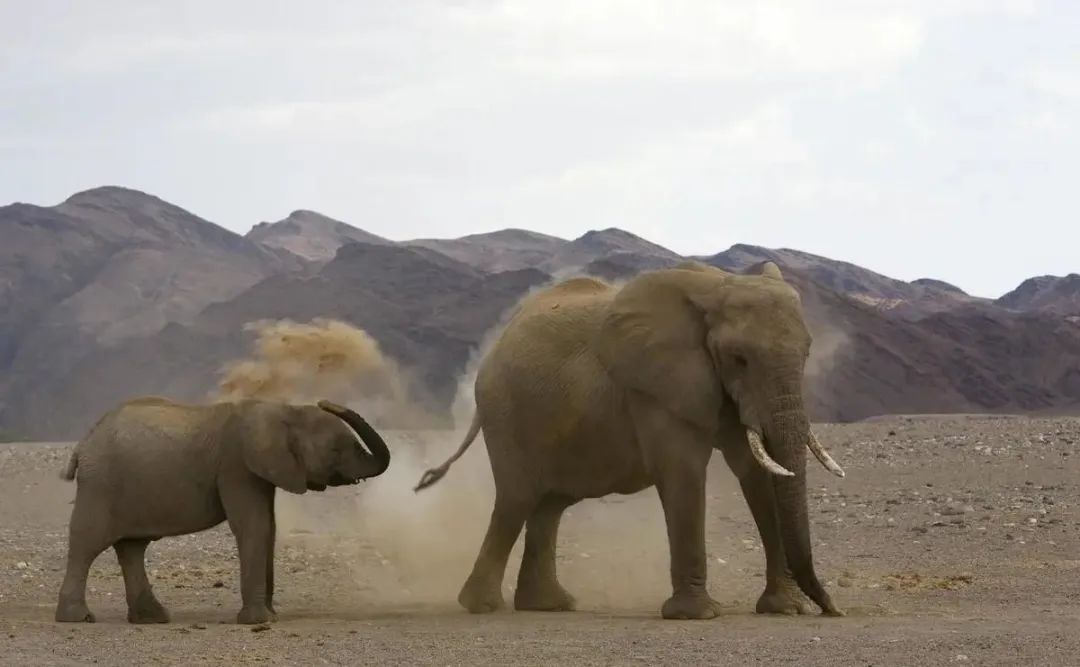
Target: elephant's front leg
x,y
678,458
782,594
249,507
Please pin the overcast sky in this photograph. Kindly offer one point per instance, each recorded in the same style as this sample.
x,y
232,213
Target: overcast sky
x,y
935,138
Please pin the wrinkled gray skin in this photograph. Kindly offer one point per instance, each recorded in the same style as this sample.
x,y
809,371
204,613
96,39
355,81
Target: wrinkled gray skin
x,y
152,468
592,390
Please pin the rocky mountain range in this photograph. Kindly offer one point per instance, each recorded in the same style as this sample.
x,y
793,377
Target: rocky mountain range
x,y
115,292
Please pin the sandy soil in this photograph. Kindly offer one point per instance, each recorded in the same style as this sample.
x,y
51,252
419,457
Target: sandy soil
x,y
953,540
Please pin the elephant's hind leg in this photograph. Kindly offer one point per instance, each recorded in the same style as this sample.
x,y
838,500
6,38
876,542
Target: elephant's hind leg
x,y
482,592
143,607
87,538
538,587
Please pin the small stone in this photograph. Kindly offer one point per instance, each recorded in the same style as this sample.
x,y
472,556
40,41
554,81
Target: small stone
x,y
22,565
219,584
960,657
262,627
845,582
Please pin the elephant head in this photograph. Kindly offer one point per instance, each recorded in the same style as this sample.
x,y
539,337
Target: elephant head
x,y
695,338
301,448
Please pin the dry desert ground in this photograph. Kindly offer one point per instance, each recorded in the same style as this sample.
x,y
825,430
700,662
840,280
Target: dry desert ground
x,y
952,540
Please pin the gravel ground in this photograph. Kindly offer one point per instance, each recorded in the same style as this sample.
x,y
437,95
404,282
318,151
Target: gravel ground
x,y
953,540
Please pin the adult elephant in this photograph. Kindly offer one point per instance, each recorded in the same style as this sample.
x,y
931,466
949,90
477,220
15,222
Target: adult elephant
x,y
592,390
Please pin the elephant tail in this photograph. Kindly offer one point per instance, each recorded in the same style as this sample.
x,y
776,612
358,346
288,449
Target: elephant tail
x,y
435,474
72,465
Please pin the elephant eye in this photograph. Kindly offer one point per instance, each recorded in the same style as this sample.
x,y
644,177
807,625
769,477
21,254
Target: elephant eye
x,y
739,360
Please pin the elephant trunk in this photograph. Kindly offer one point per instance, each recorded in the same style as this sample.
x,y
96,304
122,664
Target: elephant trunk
x,y
787,432
380,453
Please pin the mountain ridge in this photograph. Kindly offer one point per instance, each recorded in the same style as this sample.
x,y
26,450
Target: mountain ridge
x,y
114,292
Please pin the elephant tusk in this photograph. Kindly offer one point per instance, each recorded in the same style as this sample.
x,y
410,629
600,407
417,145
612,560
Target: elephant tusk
x,y
832,466
757,448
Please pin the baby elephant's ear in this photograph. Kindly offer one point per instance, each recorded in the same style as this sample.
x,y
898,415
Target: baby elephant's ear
x,y
270,445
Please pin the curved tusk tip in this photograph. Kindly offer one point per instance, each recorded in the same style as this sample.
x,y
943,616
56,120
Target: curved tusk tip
x,y
839,472
782,471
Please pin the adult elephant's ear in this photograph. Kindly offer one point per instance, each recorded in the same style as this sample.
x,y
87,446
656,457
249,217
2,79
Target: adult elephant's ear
x,y
270,444
653,340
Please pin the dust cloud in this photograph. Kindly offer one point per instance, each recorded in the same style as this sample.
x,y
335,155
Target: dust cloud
x,y
296,363
829,345
401,546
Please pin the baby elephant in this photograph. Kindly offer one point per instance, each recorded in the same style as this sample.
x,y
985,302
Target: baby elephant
x,y
152,468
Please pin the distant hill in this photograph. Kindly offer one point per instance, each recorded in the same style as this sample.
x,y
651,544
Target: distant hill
x,y
107,265
910,300
1050,294
504,250
427,311
310,235
115,292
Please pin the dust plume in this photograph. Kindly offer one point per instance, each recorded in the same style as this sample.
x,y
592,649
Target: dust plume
x,y
829,344
323,359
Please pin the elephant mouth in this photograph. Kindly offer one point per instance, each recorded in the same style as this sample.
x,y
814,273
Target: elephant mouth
x,y
337,479
341,480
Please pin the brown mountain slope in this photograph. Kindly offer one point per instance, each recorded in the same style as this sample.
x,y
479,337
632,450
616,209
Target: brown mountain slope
x,y
903,299
427,311
106,265
1048,294
310,235
503,250
86,286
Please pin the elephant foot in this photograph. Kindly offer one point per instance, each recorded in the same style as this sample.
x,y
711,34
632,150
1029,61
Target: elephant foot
x,y
147,610
480,599
784,598
76,612
690,606
254,615
543,597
